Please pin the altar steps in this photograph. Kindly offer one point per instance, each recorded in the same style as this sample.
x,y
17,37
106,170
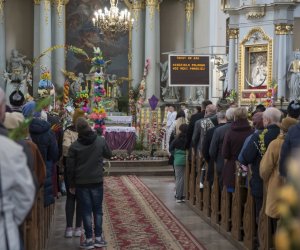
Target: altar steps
x,y
141,168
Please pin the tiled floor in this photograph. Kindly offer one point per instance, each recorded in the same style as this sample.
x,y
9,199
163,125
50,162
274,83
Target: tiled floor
x,y
163,188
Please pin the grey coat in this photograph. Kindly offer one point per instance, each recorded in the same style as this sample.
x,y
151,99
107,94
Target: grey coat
x,y
18,192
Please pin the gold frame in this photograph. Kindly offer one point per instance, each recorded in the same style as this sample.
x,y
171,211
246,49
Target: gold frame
x,y
264,44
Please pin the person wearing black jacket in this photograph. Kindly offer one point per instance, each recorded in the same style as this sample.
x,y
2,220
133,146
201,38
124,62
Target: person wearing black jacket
x,y
85,174
206,145
195,117
255,150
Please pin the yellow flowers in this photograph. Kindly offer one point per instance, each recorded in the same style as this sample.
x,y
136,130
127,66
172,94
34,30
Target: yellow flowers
x,y
289,195
282,240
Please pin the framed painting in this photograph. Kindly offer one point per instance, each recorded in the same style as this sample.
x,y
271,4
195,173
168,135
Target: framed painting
x,y
255,66
81,33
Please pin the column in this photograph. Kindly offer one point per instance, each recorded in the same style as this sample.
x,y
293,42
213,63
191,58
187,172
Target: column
x,y
189,42
59,61
157,48
36,47
138,41
45,32
282,32
151,33
2,44
233,35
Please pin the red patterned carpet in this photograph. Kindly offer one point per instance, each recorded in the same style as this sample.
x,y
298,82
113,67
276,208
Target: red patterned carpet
x,y
134,218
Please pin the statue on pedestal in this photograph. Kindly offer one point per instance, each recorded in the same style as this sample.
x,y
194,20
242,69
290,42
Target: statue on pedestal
x,y
294,70
17,66
167,92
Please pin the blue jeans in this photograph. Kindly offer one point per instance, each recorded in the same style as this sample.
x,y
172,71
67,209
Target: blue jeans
x,y
90,200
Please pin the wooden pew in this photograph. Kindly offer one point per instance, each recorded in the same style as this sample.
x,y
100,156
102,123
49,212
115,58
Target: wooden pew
x,y
249,219
198,191
206,193
226,209
188,166
215,199
192,179
264,228
239,198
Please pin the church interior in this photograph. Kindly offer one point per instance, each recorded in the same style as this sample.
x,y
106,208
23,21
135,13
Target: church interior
x,y
149,124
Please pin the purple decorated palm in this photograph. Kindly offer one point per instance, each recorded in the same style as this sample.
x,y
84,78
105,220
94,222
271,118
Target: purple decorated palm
x,y
153,101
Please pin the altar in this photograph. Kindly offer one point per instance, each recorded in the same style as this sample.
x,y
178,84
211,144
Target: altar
x,y
120,138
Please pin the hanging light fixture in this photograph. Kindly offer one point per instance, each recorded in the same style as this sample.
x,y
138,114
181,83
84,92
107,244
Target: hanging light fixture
x,y
113,21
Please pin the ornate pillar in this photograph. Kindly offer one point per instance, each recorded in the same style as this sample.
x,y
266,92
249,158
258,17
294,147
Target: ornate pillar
x,y
2,44
59,38
138,41
45,32
233,34
36,47
282,30
189,42
151,50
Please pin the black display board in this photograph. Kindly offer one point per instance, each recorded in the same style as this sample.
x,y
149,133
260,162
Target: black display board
x,y
189,70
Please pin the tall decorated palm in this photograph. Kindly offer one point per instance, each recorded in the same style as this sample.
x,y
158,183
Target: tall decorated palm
x,y
100,101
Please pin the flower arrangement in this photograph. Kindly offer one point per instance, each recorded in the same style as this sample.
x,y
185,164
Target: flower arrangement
x,y
82,101
261,142
271,92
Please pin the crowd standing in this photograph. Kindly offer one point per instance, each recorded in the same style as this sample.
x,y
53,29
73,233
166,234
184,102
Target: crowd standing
x,y
224,137
39,147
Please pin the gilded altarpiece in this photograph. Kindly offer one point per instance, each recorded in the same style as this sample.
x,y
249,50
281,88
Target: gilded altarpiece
x,y
255,66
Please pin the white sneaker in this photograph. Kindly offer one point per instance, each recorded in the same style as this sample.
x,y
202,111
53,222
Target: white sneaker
x,y
201,185
69,232
77,232
179,201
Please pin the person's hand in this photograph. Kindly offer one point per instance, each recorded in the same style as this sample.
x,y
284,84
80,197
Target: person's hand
x,y
72,190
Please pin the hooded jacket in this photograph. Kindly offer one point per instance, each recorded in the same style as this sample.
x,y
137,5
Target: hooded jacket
x,y
233,143
85,160
44,138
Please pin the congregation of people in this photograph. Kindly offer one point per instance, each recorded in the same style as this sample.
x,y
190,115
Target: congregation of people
x,y
37,148
224,137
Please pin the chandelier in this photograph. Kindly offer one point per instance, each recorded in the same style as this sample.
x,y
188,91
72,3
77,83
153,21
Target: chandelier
x,y
113,21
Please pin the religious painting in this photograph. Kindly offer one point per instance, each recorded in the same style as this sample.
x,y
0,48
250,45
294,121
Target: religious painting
x,y
257,72
255,66
81,33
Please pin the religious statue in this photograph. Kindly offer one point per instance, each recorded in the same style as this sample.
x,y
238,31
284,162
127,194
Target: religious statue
x,y
168,92
294,70
17,66
199,95
78,84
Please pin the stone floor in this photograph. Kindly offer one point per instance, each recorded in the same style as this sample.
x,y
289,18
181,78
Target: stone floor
x,y
163,188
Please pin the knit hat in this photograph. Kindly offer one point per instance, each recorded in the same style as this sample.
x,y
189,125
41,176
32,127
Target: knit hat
x,y
294,109
28,110
16,98
13,120
258,120
287,123
78,113
82,126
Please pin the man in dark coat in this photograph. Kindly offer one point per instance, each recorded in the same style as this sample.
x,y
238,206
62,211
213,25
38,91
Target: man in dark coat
x,y
292,138
221,116
196,117
42,135
256,148
85,173
215,149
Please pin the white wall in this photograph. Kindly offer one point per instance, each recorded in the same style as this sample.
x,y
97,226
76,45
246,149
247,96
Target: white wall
x,y
19,27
